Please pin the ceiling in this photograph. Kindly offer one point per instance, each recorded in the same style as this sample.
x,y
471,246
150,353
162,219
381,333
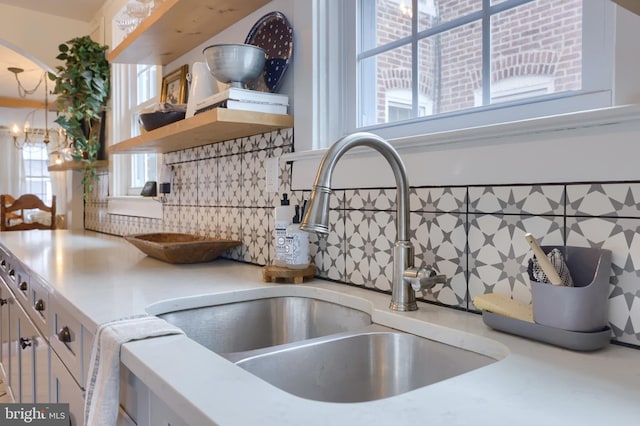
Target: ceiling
x,y
81,10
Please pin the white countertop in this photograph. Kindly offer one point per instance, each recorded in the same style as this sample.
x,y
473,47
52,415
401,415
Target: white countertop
x,y
104,278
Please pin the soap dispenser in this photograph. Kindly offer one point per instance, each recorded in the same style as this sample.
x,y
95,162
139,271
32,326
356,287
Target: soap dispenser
x,y
297,241
283,218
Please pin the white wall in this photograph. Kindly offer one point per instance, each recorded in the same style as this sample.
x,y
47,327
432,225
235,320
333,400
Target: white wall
x,y
585,147
37,35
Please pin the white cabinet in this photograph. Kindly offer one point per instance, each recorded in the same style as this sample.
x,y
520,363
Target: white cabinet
x,y
45,350
64,389
32,352
25,352
6,300
141,406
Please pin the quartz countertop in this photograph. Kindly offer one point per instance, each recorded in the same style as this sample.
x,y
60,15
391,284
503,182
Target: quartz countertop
x,y
102,278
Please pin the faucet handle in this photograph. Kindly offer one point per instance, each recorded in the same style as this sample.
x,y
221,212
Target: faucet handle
x,y
421,278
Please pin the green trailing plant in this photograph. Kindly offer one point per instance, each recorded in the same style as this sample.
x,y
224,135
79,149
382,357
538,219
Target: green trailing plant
x,y
82,84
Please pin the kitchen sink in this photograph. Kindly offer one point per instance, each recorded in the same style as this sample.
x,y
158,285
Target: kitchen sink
x,y
322,351
362,366
260,323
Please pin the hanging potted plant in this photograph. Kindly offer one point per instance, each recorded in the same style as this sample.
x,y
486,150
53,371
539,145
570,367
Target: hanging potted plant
x,y
82,85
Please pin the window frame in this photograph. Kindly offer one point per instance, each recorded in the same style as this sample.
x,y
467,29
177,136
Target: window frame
x,y
42,180
124,200
126,109
335,26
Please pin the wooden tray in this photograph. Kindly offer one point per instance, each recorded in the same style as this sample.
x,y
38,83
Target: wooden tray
x,y
273,273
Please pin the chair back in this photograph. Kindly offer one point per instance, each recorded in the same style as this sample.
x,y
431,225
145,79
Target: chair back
x,y
10,211
16,215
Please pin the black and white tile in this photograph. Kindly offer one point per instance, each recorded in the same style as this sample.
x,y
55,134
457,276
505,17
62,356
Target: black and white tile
x,y
613,199
207,182
369,239
256,236
525,199
230,180
474,235
329,250
449,199
440,241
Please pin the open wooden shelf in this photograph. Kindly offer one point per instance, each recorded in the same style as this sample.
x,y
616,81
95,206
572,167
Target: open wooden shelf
x,y
76,165
177,26
216,125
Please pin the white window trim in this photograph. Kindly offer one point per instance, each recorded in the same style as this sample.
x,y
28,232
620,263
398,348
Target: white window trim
x,y
121,204
135,206
572,126
322,121
514,88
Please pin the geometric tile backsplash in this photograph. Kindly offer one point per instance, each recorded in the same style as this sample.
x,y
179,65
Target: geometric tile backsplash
x,y
472,234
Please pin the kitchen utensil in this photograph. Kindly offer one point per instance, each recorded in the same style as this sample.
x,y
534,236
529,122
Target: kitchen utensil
x,y
545,264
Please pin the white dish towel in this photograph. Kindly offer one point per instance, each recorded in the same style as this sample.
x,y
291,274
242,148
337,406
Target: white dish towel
x,y
103,386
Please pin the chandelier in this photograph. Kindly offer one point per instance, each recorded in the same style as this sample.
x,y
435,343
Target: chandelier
x,y
28,135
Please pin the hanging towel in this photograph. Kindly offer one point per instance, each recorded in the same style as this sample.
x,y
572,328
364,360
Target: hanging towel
x,y
103,387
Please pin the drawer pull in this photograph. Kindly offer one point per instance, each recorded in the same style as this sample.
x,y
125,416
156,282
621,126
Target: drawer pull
x,y
3,302
64,335
39,306
23,286
3,264
12,273
24,343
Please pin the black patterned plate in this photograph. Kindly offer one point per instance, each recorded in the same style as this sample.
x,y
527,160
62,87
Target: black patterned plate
x,y
274,34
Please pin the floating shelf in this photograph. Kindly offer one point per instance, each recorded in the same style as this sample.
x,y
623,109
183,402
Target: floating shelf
x,y
177,26
216,125
76,165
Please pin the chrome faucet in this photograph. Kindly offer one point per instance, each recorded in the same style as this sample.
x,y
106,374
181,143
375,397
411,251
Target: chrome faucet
x,y
407,279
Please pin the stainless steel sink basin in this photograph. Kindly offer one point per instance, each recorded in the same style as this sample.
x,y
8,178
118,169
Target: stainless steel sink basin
x,y
262,323
362,367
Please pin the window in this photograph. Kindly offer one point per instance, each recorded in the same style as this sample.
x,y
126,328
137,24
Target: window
x,y
143,166
138,89
421,66
36,173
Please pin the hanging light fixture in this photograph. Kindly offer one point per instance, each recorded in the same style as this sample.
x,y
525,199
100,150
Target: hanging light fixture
x,y
27,132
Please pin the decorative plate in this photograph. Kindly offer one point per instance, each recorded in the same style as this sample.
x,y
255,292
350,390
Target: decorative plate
x,y
274,34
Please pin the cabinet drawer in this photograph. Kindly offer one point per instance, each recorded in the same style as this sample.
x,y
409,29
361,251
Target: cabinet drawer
x,y
66,339
5,261
38,307
18,280
64,389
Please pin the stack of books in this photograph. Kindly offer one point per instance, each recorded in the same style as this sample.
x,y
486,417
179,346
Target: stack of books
x,y
245,99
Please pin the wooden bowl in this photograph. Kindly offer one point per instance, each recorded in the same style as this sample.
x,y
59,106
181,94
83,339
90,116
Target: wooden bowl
x,y
180,248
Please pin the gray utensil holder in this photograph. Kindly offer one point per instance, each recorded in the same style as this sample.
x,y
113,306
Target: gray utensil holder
x,y
582,307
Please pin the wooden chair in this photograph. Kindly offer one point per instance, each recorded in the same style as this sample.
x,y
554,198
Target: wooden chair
x,y
25,202
13,216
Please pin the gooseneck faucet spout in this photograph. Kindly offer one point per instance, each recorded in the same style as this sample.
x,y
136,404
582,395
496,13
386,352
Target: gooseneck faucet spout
x,y
406,278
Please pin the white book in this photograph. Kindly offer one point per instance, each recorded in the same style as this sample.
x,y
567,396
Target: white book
x,y
256,106
238,94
